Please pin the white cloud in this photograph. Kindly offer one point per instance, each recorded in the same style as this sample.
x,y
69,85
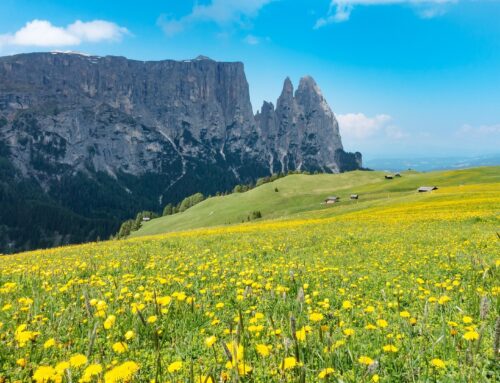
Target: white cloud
x,y
480,131
41,33
251,40
220,12
358,126
340,10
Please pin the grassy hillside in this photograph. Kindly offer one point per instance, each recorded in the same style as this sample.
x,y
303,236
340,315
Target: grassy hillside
x,y
404,290
305,193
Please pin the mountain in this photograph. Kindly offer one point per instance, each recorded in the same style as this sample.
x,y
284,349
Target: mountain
x,y
87,141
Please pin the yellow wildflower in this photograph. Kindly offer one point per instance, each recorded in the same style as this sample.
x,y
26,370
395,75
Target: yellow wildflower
x,y
174,367
289,363
365,360
326,372
316,317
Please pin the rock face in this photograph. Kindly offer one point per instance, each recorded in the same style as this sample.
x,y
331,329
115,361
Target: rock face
x,y
103,137
302,132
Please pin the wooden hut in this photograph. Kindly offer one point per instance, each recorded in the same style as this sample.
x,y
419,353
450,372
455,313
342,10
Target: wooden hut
x,y
332,199
425,189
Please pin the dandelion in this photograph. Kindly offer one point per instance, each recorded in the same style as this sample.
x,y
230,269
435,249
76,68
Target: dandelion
x,y
471,335
44,374
78,360
382,323
129,335
120,347
365,360
90,372
349,332
289,363
467,319
174,367
346,305
390,348
123,373
438,363
316,317
49,343
210,341
205,379
300,335
444,299
109,322
263,350
404,314
326,372
21,362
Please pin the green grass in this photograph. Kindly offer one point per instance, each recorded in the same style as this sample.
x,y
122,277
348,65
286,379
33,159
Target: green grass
x,y
302,196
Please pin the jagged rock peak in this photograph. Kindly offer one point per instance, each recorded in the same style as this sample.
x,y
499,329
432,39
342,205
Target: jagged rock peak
x,y
307,84
287,87
266,106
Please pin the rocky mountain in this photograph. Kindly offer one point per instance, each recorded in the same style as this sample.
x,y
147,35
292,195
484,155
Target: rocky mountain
x,y
87,141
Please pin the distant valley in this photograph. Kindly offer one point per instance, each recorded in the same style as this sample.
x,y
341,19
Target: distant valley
x,y
425,164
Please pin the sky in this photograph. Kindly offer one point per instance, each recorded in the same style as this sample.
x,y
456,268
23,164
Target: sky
x,y
405,78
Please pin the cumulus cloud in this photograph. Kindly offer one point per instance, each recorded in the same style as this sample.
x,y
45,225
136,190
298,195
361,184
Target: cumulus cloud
x,y
41,33
220,12
359,126
340,10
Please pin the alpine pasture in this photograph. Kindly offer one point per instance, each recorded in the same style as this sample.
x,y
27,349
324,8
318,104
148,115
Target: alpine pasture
x,y
401,288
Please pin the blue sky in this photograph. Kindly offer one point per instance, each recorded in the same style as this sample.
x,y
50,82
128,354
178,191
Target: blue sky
x,y
406,78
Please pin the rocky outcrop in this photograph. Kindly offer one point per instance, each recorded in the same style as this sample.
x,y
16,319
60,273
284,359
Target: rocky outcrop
x,y
153,132
302,132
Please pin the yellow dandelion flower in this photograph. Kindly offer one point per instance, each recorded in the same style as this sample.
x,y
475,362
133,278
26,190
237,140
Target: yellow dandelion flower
x,y
390,348
471,335
404,314
365,360
348,332
61,367
438,363
49,343
326,372
301,334
123,373
175,366
382,323
44,374
289,363
91,371
109,322
316,317
263,350
346,305
467,319
77,360
120,347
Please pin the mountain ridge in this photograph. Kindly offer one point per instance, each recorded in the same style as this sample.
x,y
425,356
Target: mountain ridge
x,y
152,132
